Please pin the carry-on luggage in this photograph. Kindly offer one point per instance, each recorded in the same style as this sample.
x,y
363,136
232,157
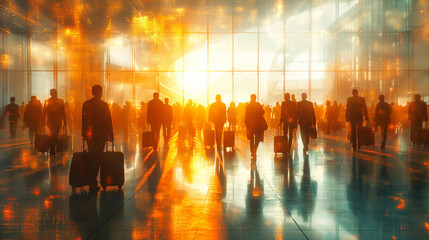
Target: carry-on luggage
x,y
80,169
41,143
182,132
367,137
228,139
279,143
65,142
112,168
209,138
148,139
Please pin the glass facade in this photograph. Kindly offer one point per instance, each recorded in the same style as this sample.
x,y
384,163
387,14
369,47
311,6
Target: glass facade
x,y
197,49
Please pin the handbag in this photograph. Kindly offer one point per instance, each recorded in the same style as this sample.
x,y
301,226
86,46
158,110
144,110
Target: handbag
x,y
313,133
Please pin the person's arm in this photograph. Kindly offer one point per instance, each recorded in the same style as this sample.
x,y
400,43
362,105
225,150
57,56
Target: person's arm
x,y
84,122
110,135
313,115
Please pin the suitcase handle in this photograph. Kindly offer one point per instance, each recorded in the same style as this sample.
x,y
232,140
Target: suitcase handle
x,y
107,146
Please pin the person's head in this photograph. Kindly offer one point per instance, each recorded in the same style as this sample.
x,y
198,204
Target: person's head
x,y
218,98
328,103
97,91
232,104
304,96
253,98
33,98
417,97
355,92
155,95
381,98
12,99
287,96
166,100
54,93
190,102
335,103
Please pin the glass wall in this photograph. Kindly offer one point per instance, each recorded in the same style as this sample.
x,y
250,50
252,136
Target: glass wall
x,y
197,49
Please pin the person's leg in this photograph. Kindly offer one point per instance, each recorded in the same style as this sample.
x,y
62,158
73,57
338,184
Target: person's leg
x,y
95,148
328,126
53,138
353,134
291,136
305,135
168,127
258,139
31,131
383,130
252,143
359,133
413,132
218,133
286,135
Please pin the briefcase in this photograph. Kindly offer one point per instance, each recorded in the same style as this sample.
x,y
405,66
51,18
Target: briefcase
x,y
313,133
367,137
209,138
80,169
148,139
112,168
65,142
228,139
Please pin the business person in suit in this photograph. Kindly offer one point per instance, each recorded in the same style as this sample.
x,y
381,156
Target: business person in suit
x,y
288,119
306,120
356,112
155,116
417,113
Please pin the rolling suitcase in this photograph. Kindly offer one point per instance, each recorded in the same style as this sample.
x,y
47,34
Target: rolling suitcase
x,y
112,168
367,137
209,138
65,142
279,143
148,139
80,168
182,132
41,143
228,139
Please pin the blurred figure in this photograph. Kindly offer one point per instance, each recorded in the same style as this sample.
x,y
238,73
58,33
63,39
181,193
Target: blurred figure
x,y
417,113
267,114
12,110
382,118
306,120
97,128
356,111
127,118
33,116
155,116
293,98
336,113
55,114
288,118
232,116
277,114
143,116
330,117
21,112
217,115
255,124
167,121
188,118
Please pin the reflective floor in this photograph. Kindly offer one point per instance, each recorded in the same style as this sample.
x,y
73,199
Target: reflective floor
x,y
187,192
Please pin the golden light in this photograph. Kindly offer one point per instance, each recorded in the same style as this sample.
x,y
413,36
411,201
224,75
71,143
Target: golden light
x,y
4,60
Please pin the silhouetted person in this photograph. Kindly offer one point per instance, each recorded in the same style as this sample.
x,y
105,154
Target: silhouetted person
x,y
255,124
356,111
12,110
330,117
188,118
232,116
417,113
306,120
55,116
288,118
97,128
33,117
167,121
382,118
336,113
293,98
155,117
217,115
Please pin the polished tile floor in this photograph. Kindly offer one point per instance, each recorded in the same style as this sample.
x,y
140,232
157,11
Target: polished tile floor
x,y
184,191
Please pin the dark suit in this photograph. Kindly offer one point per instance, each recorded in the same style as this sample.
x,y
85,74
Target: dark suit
x,y
417,113
32,117
306,119
217,115
12,111
96,129
288,118
253,118
155,111
168,120
356,111
382,119
55,112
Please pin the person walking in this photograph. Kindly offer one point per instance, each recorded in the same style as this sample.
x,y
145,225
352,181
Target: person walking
x,y
55,115
217,116
382,118
12,110
330,117
167,121
97,128
288,119
306,119
356,112
417,114
155,109
255,124
33,116
232,116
